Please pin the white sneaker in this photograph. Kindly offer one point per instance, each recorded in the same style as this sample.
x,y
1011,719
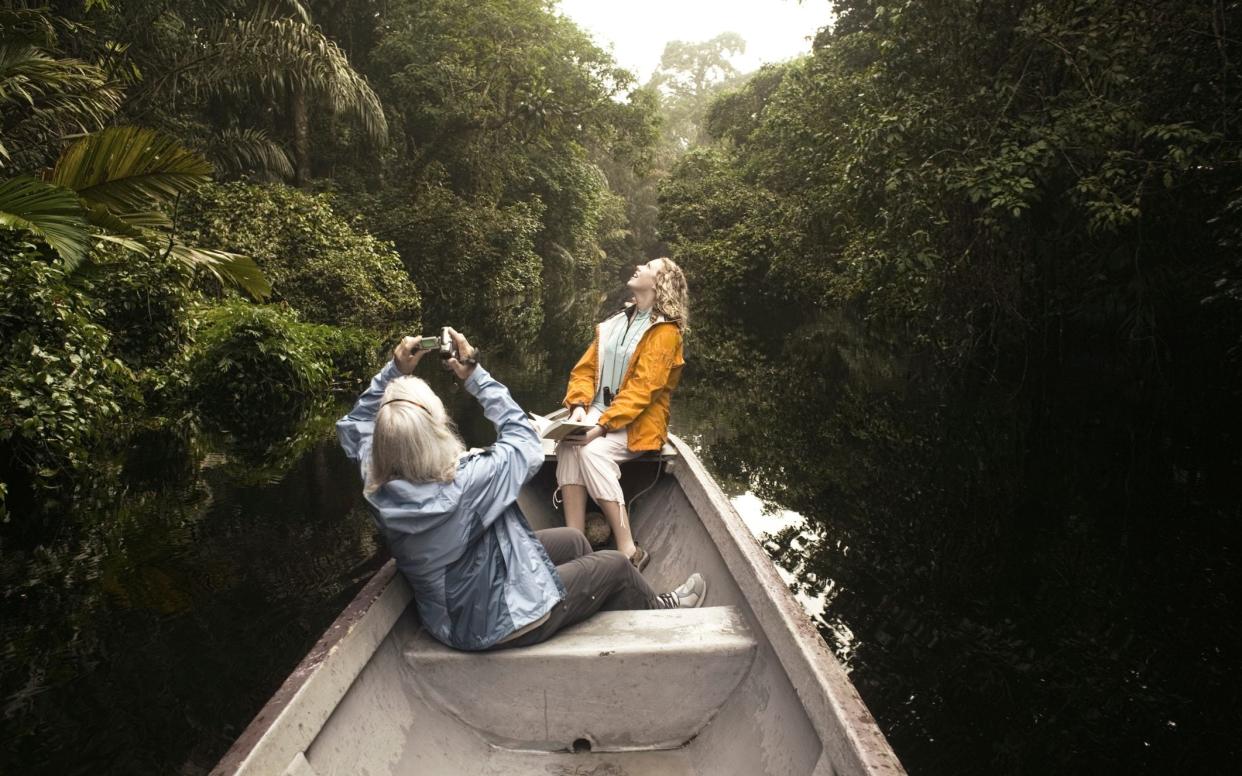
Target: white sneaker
x,y
689,596
687,587
695,591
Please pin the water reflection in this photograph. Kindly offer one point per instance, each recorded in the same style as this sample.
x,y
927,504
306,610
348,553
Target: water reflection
x,y
141,636
781,531
996,607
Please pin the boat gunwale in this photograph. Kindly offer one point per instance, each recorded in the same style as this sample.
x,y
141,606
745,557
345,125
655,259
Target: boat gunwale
x,y
835,704
284,700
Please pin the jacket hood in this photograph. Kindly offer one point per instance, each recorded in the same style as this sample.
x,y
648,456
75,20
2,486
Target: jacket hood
x,y
433,502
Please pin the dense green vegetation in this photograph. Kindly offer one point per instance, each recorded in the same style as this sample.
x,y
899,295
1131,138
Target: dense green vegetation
x,y
214,219
975,265
439,162
1004,380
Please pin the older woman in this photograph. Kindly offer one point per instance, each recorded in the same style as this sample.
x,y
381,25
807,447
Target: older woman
x,y
481,577
623,384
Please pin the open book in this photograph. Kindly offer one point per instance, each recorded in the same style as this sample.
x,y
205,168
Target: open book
x,y
557,430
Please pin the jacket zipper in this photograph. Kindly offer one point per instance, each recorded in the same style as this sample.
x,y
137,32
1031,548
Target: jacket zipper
x,y
599,365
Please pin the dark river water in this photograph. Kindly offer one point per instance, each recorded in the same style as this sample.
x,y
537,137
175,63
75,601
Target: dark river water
x,y
144,637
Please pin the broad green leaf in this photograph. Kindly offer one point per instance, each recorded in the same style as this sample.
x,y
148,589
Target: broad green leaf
x,y
230,268
129,169
127,224
49,212
128,243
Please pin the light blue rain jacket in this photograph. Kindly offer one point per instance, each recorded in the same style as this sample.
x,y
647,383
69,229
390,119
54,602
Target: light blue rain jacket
x,y
477,570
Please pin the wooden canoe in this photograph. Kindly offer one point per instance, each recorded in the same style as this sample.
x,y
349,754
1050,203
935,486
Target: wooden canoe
x,y
744,685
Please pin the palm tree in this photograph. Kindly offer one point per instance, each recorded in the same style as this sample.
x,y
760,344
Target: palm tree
x,y
44,98
109,185
278,53
236,151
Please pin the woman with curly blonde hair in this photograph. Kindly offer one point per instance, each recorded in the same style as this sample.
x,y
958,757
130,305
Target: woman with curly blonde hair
x,y
623,384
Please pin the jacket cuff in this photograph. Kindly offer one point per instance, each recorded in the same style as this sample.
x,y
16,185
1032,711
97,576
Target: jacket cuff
x,y
390,371
475,381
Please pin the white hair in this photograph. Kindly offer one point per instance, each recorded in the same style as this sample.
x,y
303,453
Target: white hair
x,y
415,440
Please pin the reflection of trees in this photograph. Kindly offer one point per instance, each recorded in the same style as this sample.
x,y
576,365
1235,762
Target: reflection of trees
x,y
135,632
264,452
1016,595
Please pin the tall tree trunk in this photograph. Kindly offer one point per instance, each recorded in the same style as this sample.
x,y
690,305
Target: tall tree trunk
x,y
298,115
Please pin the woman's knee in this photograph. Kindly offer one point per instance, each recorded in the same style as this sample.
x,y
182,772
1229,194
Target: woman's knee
x,y
616,564
601,468
622,584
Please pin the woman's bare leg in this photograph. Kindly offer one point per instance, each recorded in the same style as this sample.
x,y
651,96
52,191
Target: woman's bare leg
x,y
575,498
619,520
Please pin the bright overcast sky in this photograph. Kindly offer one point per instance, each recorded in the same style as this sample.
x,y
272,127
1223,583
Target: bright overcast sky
x,y
637,30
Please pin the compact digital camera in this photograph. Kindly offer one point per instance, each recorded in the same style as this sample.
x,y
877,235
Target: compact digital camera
x,y
443,344
448,348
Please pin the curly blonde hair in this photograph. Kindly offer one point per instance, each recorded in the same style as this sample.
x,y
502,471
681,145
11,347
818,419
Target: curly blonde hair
x,y
672,296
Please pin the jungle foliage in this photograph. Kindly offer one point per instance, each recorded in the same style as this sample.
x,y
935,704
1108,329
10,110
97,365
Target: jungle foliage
x,y
1003,383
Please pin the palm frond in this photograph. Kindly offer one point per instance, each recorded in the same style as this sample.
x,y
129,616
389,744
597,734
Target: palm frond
x,y
238,151
35,25
147,232
276,9
129,169
128,243
135,224
51,213
146,219
44,98
229,268
275,55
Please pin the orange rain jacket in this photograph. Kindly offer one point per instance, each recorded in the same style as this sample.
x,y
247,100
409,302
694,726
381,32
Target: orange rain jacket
x,y
641,404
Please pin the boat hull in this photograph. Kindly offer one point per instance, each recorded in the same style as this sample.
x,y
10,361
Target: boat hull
x,y
361,702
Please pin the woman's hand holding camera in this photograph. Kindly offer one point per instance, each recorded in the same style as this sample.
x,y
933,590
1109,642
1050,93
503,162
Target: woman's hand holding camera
x,y
407,354
466,351
410,350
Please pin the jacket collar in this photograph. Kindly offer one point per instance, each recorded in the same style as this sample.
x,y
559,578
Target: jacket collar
x,y
656,317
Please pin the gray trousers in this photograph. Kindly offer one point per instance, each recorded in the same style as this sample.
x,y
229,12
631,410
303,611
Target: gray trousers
x,y
594,581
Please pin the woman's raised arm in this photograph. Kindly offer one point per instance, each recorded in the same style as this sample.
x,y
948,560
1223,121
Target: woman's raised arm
x,y
355,429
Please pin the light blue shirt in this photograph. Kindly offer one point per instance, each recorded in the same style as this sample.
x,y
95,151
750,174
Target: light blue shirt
x,y
478,571
617,342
